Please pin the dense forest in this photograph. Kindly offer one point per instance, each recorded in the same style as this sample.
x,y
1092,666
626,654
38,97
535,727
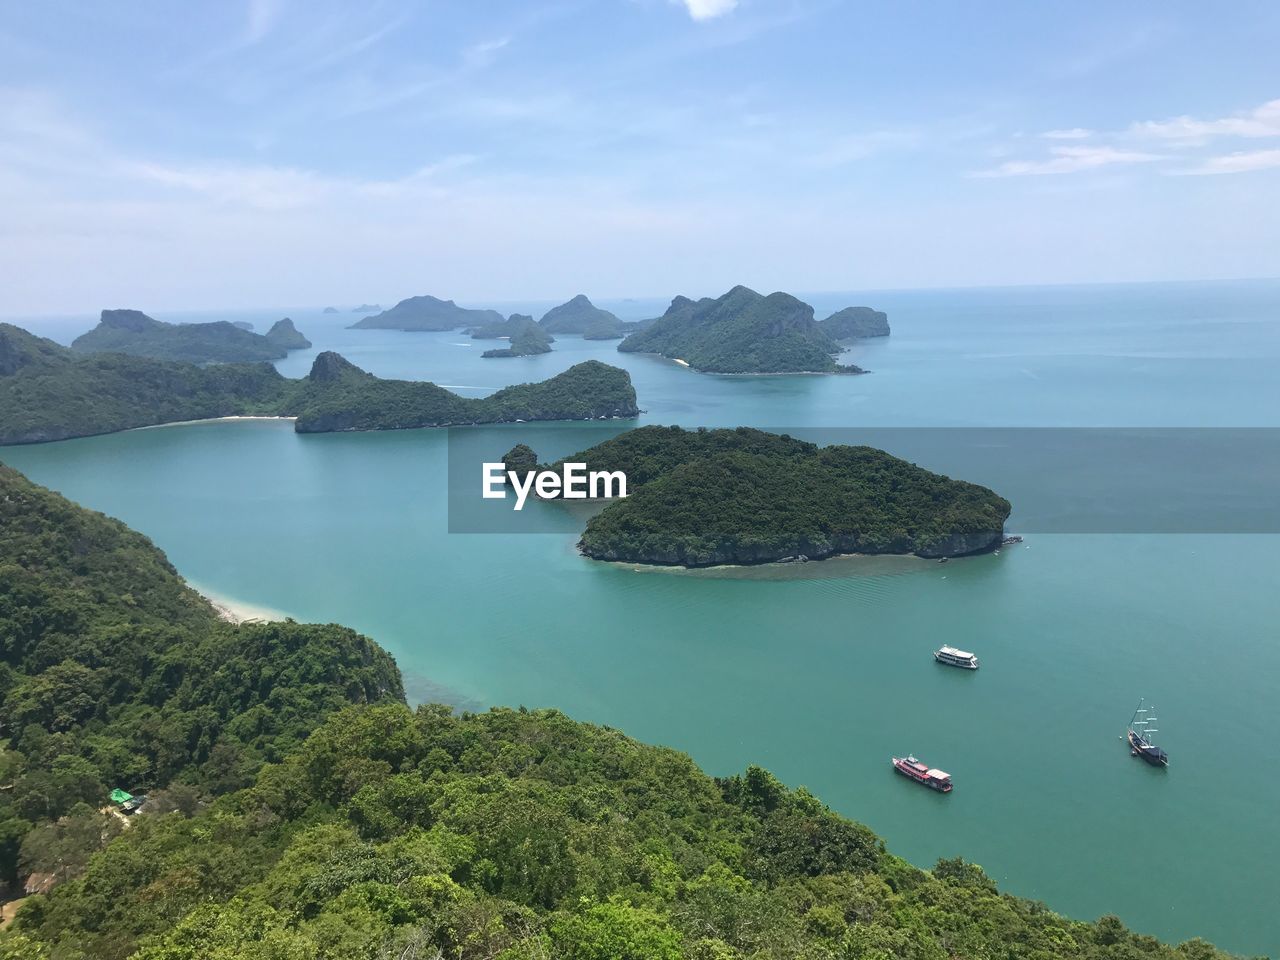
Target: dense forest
x,y
387,833
135,333
706,497
48,392
115,673
741,332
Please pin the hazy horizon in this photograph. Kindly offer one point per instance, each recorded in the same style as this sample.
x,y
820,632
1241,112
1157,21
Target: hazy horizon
x,y
270,151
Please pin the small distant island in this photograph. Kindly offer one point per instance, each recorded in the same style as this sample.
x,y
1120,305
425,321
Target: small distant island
x,y
741,332
578,316
703,498
50,392
856,323
582,317
427,313
366,308
329,310
527,338
133,332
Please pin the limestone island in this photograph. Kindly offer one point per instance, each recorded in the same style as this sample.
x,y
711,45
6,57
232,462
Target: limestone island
x,y
427,313
583,317
329,310
50,392
526,337
135,333
856,323
701,498
742,332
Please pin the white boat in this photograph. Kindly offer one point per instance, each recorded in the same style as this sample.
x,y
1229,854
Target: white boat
x,y
954,657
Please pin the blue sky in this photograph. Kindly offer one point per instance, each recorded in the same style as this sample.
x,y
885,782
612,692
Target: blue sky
x,y
282,152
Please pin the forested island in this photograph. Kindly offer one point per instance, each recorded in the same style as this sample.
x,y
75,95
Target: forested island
x,y
48,392
527,337
135,333
427,313
856,323
583,317
298,809
709,497
337,395
741,332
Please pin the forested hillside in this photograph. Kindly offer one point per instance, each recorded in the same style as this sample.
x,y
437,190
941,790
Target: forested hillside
x,y
387,833
114,673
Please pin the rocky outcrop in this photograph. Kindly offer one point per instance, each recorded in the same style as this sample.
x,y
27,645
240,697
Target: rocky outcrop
x,y
284,333
855,323
329,367
749,554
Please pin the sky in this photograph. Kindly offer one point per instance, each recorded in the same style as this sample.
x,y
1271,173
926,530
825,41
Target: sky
x,y
305,152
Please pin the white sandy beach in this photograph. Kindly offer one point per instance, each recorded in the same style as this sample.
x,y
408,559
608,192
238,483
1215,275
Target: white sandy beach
x,y
187,423
237,611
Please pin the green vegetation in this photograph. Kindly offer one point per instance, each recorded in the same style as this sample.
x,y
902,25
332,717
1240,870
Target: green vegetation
x,y
134,333
337,395
707,497
285,334
741,332
48,392
856,322
500,329
426,313
527,338
387,833
114,673
581,316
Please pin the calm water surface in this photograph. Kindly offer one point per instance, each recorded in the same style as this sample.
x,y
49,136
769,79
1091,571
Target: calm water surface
x,y
822,672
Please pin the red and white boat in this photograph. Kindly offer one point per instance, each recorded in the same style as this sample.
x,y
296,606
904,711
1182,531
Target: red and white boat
x,y
931,777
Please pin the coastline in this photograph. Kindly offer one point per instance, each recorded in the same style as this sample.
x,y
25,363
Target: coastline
x,y
237,611
187,423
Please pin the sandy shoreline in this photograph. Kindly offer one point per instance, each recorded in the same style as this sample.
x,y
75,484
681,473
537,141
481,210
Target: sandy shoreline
x,y
187,423
237,611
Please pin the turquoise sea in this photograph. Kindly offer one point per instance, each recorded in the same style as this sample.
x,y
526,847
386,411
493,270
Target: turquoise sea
x,y
820,672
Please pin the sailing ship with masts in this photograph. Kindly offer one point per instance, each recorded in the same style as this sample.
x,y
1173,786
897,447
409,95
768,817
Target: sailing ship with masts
x,y
1141,734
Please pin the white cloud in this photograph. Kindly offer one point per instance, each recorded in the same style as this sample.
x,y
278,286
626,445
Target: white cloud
x,y
708,9
482,54
261,18
1239,162
1263,121
1068,160
1074,133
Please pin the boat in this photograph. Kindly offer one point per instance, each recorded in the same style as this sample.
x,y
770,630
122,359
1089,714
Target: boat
x,y
954,657
1140,736
923,773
